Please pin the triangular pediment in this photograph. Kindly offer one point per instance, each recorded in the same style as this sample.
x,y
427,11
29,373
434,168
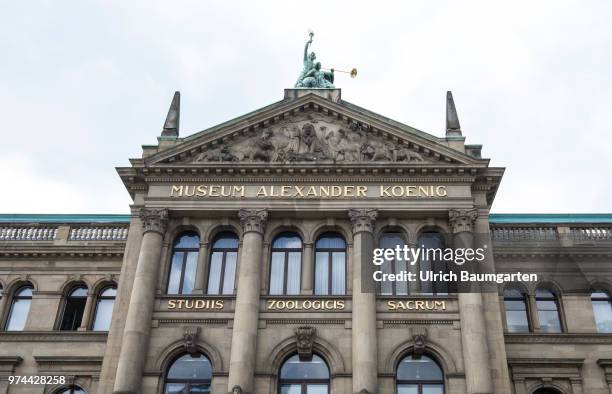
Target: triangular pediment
x,y
311,130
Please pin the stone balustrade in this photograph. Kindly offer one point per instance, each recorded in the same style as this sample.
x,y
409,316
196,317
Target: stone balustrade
x,y
98,233
591,233
519,233
27,233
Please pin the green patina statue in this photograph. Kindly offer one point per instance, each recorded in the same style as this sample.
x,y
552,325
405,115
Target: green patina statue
x,y
312,76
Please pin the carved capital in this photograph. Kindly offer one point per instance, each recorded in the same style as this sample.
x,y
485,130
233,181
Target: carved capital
x,y
154,220
419,336
305,339
462,220
190,337
253,219
363,219
236,390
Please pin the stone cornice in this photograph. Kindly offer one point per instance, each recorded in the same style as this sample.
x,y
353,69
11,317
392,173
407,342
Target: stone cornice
x,y
583,338
45,250
52,336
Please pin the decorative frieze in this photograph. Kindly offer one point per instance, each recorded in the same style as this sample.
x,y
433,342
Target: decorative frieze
x,y
154,220
363,219
253,220
462,220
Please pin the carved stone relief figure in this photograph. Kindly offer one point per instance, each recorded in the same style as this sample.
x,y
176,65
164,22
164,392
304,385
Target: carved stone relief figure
x,y
311,137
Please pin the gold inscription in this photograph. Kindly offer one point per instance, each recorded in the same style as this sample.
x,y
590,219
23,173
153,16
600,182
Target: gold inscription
x,y
309,191
416,305
195,304
305,305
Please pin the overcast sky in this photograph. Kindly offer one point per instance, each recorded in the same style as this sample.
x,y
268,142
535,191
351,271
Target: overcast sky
x,y
83,84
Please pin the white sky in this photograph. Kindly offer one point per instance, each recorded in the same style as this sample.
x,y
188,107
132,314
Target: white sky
x,y
84,83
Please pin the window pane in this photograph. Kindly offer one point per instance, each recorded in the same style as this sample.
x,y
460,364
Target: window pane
x,y
104,311
226,241
230,272
200,388
79,292
433,389
24,292
338,273
595,294
175,273
331,242
277,273
214,274
190,272
19,314
109,292
603,315
322,273
188,367
407,389
291,389
549,321
544,293
517,321
423,368
188,240
293,368
316,389
288,241
175,388
401,287
73,313
513,293
293,272
386,286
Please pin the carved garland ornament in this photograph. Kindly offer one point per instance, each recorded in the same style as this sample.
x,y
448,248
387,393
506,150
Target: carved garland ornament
x,y
253,219
363,219
154,220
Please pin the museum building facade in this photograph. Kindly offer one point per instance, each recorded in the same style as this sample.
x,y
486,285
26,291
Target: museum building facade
x,y
243,268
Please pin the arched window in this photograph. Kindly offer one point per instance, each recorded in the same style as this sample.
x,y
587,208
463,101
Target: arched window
x,y
184,263
72,390
548,311
286,264
74,307
432,261
546,391
304,377
330,265
602,309
189,374
391,240
515,304
104,309
20,307
222,268
419,375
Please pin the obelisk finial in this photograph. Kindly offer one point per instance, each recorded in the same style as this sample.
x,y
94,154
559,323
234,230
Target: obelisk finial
x,y
171,126
452,120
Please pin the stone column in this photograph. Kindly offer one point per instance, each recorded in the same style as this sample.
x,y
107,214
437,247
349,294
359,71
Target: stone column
x,y
138,322
471,313
308,270
246,314
364,346
87,312
201,279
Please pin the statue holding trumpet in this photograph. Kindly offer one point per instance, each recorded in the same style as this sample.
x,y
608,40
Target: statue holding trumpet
x,y
312,75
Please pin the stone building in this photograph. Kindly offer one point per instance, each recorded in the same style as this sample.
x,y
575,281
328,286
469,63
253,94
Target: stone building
x,y
243,268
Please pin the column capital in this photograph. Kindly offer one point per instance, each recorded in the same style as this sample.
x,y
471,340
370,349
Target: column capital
x,y
462,220
253,219
154,220
363,219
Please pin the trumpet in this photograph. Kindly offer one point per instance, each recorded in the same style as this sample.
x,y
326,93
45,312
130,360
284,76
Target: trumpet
x,y
352,73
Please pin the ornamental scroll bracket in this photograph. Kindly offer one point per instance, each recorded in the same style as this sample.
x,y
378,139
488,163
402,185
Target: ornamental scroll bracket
x,y
363,219
462,220
305,340
190,337
154,220
419,337
253,220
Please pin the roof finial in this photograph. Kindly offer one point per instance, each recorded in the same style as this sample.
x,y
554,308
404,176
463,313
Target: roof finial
x,y
452,120
171,126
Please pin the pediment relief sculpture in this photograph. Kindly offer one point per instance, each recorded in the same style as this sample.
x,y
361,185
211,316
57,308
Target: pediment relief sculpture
x,y
312,137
